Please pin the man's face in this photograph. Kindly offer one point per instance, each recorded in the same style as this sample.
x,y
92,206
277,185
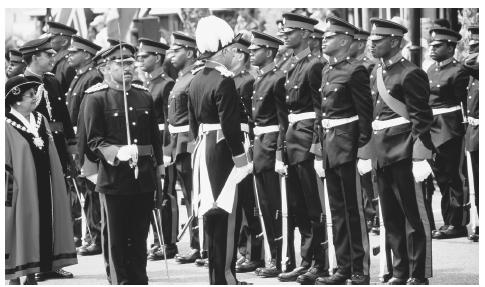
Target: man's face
x,y
148,62
117,70
237,59
45,61
15,68
57,42
381,48
179,58
258,57
439,52
293,38
76,59
331,45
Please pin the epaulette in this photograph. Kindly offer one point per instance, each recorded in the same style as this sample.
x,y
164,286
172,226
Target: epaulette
x,y
97,87
139,87
197,69
224,71
49,74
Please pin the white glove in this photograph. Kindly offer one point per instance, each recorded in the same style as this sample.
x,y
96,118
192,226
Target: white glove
x,y
280,167
421,170
364,166
167,160
250,167
318,166
127,152
243,171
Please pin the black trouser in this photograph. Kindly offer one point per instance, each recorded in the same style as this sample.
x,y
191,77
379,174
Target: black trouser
x,y
370,198
249,244
474,158
169,209
92,210
306,206
447,172
269,196
405,219
221,230
125,223
350,237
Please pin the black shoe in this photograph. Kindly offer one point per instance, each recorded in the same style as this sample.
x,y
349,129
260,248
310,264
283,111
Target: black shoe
x,y
243,283
269,272
451,232
77,242
170,251
444,227
240,261
396,281
30,280
190,257
15,281
292,275
311,276
58,274
249,266
86,250
200,262
358,279
416,281
336,278
473,237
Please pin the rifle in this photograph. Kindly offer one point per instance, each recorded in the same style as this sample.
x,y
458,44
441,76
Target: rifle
x,y
82,206
332,260
267,250
284,217
471,200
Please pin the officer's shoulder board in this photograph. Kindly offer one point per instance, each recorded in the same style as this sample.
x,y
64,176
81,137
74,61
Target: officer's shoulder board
x,y
196,70
224,71
49,74
97,87
140,87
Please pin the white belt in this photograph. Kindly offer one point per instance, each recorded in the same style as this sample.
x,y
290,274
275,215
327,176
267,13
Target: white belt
x,y
264,130
330,123
472,121
161,127
179,129
380,125
440,111
293,118
245,128
203,128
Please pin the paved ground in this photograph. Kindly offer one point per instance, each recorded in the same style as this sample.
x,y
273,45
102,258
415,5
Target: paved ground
x,y
455,262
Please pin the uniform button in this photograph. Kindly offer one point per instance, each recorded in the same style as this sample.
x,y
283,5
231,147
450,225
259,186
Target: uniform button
x,y
287,97
133,123
254,108
467,111
260,98
324,99
372,92
295,86
383,72
430,81
55,132
470,97
335,89
59,98
331,68
130,108
388,91
473,84
135,140
327,83
54,120
287,81
115,114
436,69
320,89
65,94
371,76
324,114
168,106
146,112
378,101
285,71
292,65
66,103
375,132
254,92
438,86
377,117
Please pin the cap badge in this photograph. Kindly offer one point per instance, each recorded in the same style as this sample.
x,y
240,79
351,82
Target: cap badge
x,y
374,27
16,91
433,35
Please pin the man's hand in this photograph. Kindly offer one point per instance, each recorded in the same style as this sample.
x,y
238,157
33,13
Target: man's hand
x,y
127,152
421,170
167,160
280,167
318,166
364,166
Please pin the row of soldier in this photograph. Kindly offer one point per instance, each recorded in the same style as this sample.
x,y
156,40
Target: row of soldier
x,y
321,118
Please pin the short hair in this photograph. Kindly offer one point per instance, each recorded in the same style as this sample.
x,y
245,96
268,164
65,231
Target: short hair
x,y
28,58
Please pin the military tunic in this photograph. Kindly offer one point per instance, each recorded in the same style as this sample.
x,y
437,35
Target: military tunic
x,y
346,94
63,71
448,82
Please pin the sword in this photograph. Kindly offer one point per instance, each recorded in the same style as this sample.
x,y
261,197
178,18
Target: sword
x,y
82,207
332,260
156,214
471,190
186,226
267,250
284,220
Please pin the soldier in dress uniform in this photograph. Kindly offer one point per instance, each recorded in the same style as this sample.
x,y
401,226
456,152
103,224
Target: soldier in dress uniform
x,y
346,121
127,174
178,151
358,50
448,80
81,53
283,57
400,145
270,116
152,56
38,55
471,136
16,65
60,41
303,80
219,161
250,243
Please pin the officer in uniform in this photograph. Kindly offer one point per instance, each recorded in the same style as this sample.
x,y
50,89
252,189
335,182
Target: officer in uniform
x,y
471,136
16,65
448,80
152,56
303,80
219,159
250,243
39,58
283,57
270,116
358,50
178,152
346,121
127,177
400,144
60,41
81,53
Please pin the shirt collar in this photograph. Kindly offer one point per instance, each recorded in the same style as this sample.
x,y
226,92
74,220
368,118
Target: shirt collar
x,y
389,62
445,62
334,60
267,68
156,73
302,54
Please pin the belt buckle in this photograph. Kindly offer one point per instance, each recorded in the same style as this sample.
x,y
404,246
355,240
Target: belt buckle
x,y
326,123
